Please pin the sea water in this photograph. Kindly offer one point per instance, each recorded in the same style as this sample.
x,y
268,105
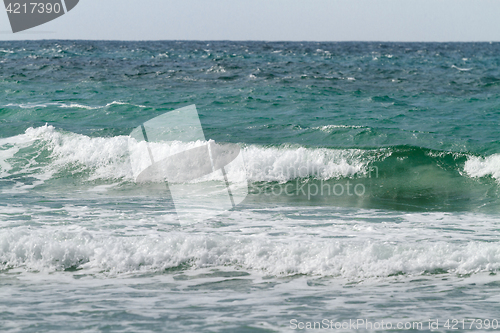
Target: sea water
x,y
373,173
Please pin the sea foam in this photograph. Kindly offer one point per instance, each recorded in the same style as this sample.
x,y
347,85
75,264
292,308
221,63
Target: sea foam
x,y
482,167
108,158
55,250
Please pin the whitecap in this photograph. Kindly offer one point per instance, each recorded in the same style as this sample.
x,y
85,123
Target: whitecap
x,y
461,69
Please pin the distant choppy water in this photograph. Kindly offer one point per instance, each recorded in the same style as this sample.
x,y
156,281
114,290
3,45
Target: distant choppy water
x,y
82,247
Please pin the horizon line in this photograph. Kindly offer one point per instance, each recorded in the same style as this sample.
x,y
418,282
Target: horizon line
x,y
242,40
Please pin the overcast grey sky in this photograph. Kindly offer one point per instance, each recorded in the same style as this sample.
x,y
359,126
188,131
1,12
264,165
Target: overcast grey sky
x,y
290,20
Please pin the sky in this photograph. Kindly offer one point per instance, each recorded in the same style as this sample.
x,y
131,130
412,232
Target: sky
x,y
272,20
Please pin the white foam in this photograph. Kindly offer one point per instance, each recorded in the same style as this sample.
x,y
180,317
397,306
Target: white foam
x,y
461,69
330,128
216,69
30,105
4,156
9,147
109,158
482,167
123,103
287,163
105,157
54,250
78,106
70,105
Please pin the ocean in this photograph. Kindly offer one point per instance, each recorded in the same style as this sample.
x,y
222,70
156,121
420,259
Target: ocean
x,y
373,175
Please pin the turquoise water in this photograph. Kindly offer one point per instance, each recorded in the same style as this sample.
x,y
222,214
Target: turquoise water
x,y
415,125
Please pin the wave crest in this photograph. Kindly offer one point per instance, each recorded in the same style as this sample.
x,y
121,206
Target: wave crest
x,y
44,250
108,158
481,167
